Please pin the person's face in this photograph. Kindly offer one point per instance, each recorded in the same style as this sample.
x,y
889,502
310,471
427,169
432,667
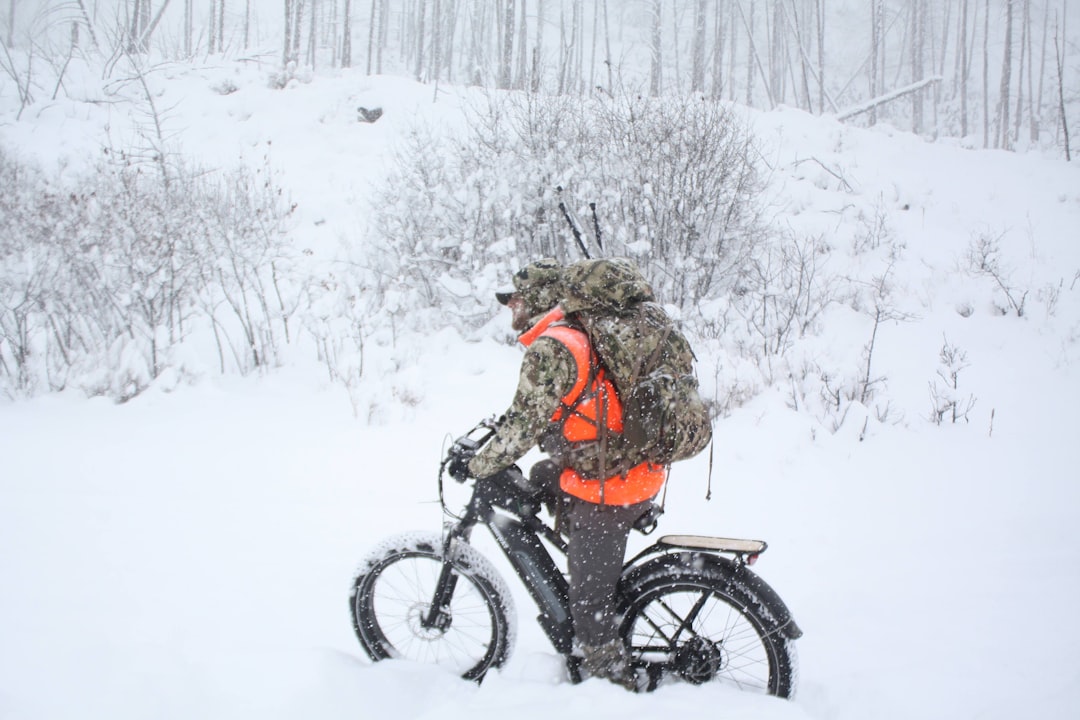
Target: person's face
x,y
519,319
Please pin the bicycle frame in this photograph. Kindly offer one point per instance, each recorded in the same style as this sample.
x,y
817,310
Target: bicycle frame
x,y
518,534
508,510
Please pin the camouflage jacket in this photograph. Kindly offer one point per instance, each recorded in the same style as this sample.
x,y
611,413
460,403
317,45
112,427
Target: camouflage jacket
x,y
548,374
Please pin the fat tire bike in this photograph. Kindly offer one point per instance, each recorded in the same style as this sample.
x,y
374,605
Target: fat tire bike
x,y
690,607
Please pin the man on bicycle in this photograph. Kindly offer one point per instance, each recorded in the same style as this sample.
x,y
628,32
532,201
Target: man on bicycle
x,y
565,404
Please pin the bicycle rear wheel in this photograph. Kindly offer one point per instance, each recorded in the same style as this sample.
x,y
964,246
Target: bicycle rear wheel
x,y
392,601
702,625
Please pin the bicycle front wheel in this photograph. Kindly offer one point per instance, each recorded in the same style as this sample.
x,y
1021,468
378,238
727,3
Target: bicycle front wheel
x,y
701,625
392,606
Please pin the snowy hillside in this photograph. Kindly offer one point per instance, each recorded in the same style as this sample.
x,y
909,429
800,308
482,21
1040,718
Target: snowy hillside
x,y
189,553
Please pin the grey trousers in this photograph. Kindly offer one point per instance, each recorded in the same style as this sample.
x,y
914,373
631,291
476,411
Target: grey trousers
x,y
597,544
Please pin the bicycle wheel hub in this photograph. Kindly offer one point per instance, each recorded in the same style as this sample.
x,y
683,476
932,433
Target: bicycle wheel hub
x,y
418,622
698,661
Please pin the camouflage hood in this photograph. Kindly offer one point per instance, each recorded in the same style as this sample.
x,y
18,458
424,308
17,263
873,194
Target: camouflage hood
x,y
538,284
608,284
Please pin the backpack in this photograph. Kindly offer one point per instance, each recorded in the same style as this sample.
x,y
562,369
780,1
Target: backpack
x,y
648,359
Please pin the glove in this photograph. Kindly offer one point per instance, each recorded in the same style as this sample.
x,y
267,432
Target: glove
x,y
459,466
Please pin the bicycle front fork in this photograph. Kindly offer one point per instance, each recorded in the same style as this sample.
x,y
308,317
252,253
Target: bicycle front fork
x,y
438,615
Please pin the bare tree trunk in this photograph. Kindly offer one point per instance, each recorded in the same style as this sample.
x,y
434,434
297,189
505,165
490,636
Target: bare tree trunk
x,y
986,74
11,25
579,41
962,59
1037,105
297,26
1025,64
436,41
918,71
595,40
313,34
656,73
820,7
1031,119
332,33
877,52
675,78
521,78
419,32
538,45
346,36
380,42
939,63
607,51
750,56
144,24
777,53
450,22
697,59
135,26
213,28
188,30
803,39
1059,56
288,32
346,50
753,59
563,49
888,97
733,52
1001,132
247,24
570,57
476,52
147,26
801,83
221,26
506,36
718,54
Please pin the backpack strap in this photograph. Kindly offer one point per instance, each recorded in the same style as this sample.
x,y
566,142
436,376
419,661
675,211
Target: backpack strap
x,y
594,386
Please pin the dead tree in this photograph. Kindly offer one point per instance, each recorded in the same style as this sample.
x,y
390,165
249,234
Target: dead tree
x,y
1059,55
1001,131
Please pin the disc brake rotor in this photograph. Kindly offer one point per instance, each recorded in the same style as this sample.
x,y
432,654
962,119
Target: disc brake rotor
x,y
415,618
698,661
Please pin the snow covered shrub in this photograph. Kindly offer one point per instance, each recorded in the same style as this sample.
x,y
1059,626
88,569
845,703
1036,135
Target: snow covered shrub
x,y
671,182
337,314
985,258
873,229
678,186
841,379
783,289
102,279
33,271
947,402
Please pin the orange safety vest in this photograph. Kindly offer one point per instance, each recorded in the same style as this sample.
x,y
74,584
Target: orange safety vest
x,y
641,482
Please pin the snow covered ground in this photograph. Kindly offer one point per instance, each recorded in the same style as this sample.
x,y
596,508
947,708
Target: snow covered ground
x,y
189,553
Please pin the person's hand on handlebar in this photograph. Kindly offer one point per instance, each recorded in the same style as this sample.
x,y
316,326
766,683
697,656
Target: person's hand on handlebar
x,y
458,467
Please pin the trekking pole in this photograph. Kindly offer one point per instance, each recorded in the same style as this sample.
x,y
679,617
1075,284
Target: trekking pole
x,y
596,226
573,226
708,491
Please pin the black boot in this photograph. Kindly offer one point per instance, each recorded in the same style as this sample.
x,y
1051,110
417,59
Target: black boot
x,y
610,661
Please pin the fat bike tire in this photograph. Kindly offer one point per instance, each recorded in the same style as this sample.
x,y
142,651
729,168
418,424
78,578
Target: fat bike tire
x,y
703,625
393,591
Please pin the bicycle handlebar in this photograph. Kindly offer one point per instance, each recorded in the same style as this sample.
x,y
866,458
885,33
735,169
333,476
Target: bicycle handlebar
x,y
465,447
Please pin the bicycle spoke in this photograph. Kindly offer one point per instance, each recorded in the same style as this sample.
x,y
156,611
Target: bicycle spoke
x,y
668,623
401,601
688,621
